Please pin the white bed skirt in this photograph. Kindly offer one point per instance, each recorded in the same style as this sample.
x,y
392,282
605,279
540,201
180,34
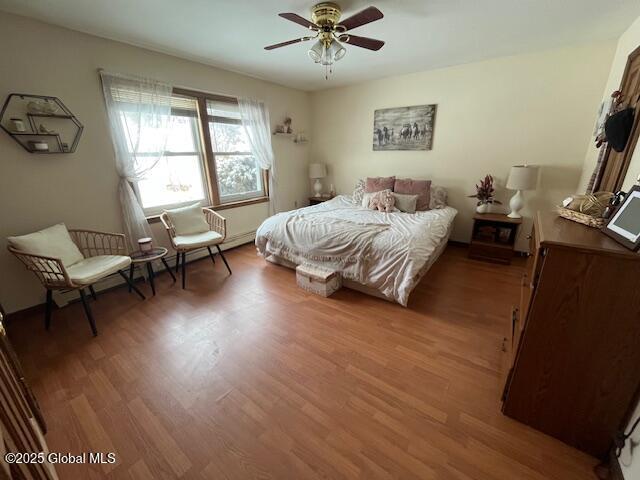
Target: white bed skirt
x,y
364,288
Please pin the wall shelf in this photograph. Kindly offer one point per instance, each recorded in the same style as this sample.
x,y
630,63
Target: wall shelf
x,y
59,122
295,137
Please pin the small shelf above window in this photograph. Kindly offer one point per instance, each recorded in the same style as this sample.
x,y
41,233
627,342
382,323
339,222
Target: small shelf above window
x,y
40,124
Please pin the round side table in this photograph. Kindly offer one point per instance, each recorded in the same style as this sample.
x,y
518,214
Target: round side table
x,y
139,257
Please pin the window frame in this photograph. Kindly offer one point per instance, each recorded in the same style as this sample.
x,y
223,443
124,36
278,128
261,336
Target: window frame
x,y
155,211
210,171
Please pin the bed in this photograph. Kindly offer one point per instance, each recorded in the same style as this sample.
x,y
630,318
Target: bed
x,y
382,254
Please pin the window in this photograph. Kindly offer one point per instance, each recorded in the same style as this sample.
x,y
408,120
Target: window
x,y
207,157
179,176
238,175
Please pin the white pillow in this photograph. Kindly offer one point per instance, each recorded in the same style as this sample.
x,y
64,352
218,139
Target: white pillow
x,y
51,242
405,202
188,220
358,191
366,198
438,197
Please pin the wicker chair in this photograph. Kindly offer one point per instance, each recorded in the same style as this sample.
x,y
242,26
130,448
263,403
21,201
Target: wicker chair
x,y
187,243
104,254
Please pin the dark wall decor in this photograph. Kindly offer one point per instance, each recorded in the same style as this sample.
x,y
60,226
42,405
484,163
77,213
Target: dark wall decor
x,y
404,128
40,124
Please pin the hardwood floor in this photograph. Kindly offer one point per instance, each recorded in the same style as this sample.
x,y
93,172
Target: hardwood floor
x,y
247,376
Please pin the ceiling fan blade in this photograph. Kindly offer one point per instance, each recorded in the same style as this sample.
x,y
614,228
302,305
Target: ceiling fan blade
x,y
290,42
295,18
368,15
364,42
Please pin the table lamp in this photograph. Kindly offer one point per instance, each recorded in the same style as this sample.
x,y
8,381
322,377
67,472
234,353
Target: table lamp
x,y
521,177
317,171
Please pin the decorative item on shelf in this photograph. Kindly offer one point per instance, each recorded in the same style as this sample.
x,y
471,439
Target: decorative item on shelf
x,y
18,125
38,145
145,244
624,224
521,177
484,194
286,130
45,105
316,172
332,191
40,137
300,137
42,129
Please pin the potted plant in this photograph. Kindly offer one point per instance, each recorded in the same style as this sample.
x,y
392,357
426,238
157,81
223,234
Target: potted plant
x,y
484,194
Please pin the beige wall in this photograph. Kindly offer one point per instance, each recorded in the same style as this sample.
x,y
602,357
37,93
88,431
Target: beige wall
x,y
534,108
81,189
628,42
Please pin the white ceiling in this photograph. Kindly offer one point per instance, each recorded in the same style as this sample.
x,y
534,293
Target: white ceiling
x,y
419,34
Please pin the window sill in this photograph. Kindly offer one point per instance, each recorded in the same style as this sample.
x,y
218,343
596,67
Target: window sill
x,y
224,206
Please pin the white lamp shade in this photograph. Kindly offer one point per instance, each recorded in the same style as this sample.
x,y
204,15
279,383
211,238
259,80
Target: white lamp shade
x,y
317,51
317,170
523,177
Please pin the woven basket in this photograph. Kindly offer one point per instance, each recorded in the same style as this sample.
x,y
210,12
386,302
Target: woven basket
x,y
590,221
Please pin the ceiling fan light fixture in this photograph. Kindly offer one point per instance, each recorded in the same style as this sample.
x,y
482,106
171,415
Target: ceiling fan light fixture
x,y
331,32
337,50
317,52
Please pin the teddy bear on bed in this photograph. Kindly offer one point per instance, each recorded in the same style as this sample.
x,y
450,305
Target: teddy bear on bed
x,y
383,201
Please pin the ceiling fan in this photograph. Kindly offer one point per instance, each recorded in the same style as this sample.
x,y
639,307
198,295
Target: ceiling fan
x,y
330,31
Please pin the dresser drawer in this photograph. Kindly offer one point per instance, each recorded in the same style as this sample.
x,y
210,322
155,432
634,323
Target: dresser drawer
x,y
526,294
509,348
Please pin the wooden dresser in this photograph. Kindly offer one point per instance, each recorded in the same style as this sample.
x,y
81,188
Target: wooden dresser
x,y
572,353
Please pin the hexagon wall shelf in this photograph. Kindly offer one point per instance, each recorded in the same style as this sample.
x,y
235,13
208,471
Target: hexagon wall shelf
x,y
40,124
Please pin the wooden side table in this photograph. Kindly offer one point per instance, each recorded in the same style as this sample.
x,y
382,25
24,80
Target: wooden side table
x,y
493,238
139,258
317,200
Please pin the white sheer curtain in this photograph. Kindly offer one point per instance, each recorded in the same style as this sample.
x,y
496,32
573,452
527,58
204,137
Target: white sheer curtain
x,y
139,111
255,120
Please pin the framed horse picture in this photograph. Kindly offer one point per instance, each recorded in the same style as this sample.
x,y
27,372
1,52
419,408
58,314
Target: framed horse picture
x,y
404,128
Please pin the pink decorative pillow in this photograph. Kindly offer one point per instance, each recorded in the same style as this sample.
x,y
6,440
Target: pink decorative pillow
x,y
383,201
377,184
422,188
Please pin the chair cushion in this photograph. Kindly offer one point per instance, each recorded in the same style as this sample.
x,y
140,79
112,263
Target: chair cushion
x,y
53,242
188,220
92,269
197,240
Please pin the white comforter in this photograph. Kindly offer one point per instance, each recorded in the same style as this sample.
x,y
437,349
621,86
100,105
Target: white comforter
x,y
389,252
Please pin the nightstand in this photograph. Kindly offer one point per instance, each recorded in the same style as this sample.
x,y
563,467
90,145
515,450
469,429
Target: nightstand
x,y
317,200
493,238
